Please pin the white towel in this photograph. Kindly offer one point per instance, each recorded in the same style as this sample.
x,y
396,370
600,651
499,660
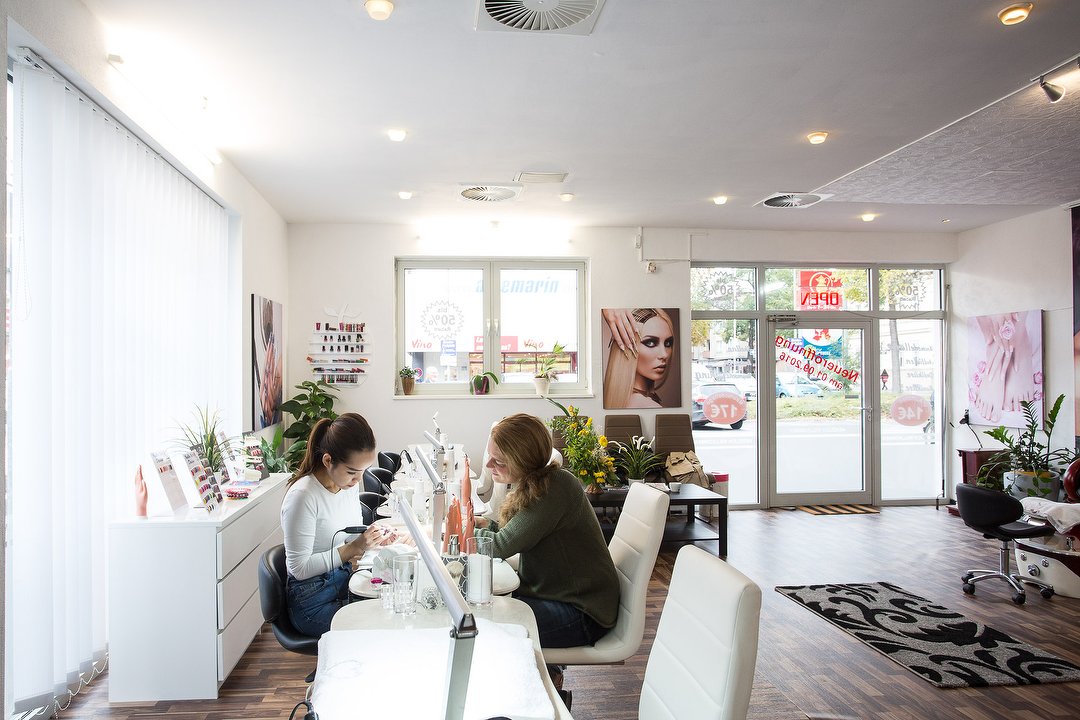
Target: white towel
x,y
1063,516
404,673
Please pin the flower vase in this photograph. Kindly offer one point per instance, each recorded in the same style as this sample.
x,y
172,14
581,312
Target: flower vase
x,y
408,385
594,488
542,384
631,481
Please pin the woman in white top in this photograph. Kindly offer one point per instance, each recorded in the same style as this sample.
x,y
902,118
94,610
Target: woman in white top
x,y
323,498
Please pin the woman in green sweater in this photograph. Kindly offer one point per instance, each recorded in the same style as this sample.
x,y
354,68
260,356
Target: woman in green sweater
x,y
567,576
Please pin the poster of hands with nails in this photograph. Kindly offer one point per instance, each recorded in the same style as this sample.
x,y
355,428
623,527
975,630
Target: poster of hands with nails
x,y
1004,367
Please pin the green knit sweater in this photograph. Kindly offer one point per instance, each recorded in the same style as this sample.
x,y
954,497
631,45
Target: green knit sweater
x,y
563,553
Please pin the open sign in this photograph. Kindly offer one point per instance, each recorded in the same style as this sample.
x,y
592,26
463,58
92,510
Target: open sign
x,y
724,408
910,410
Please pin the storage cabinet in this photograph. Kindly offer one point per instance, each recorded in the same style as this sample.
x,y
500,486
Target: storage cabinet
x,y
184,595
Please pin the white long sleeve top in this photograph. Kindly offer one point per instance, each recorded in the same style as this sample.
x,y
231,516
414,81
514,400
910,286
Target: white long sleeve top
x,y
310,515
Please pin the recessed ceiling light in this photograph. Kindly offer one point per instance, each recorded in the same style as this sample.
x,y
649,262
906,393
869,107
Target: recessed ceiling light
x,y
945,220
719,199
817,137
566,197
868,217
1016,13
405,195
396,134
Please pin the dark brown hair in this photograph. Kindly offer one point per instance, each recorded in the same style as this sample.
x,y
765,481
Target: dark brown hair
x,y
338,438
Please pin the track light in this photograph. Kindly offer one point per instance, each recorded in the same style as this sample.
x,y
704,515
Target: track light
x,y
378,9
1054,92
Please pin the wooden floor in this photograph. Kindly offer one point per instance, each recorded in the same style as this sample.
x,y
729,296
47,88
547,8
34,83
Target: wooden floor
x,y
806,667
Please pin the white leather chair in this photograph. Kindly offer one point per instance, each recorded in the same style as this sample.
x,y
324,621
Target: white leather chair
x,y
701,666
633,549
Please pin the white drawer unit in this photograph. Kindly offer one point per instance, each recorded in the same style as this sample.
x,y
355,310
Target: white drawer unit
x,y
184,595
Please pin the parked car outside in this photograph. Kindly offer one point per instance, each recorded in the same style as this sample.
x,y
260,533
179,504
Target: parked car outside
x,y
746,383
793,385
700,393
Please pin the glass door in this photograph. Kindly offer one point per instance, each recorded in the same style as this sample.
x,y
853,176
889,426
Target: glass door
x,y
822,416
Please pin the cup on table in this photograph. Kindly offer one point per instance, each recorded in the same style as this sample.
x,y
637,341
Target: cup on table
x,y
674,486
478,559
386,595
405,579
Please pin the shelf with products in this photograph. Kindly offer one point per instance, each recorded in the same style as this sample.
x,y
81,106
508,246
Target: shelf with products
x,y
338,352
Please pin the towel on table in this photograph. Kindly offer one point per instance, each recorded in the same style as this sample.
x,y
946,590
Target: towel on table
x,y
1063,516
405,673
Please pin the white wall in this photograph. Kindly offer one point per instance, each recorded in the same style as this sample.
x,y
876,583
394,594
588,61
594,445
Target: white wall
x,y
331,265
1019,264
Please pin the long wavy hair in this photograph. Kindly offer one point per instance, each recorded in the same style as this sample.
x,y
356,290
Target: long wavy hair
x,y
525,443
339,438
621,370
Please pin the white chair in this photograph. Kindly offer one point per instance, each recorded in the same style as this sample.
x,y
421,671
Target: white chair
x,y
701,666
633,549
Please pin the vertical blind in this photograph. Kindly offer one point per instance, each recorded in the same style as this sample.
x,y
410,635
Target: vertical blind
x,y
120,312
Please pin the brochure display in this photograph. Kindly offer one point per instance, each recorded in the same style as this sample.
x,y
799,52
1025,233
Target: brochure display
x,y
169,481
205,482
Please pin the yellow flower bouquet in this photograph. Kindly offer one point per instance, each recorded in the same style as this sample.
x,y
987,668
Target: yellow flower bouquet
x,y
585,453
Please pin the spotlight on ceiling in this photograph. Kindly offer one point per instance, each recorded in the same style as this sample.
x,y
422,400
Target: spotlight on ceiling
x,y
719,199
816,138
378,9
1053,92
868,217
405,195
566,196
397,134
1016,13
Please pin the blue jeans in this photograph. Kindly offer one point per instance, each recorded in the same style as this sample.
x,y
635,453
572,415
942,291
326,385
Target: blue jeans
x,y
561,624
313,602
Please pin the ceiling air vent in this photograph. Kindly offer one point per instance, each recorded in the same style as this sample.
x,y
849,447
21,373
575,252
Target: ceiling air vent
x,y
490,193
795,201
568,17
536,176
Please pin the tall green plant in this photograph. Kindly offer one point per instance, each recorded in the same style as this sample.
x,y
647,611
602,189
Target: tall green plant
x,y
1028,451
202,438
314,402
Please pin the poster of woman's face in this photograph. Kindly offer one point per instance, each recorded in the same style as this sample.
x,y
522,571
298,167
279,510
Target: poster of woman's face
x,y
266,361
640,357
1004,367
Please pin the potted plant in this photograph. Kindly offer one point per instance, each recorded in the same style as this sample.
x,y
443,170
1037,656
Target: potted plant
x,y
1026,466
480,384
545,371
202,438
313,403
585,453
636,459
408,379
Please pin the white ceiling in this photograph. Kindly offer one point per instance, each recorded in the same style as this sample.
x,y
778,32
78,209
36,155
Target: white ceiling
x,y
665,104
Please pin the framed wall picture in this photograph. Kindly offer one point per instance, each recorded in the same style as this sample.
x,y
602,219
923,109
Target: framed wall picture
x,y
1005,366
640,357
267,352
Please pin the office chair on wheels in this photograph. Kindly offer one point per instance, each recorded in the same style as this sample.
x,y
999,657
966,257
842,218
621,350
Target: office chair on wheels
x,y
995,515
272,579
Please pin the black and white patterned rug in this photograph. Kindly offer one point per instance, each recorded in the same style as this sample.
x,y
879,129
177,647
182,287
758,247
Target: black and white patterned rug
x,y
942,646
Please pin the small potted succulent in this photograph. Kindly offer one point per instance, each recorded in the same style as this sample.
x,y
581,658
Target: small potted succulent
x,y
408,379
480,384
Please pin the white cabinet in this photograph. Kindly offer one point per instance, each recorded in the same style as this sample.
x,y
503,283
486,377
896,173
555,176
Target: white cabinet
x,y
184,595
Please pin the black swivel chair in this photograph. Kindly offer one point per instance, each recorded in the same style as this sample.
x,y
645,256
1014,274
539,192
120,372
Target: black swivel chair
x,y
369,501
272,578
390,461
377,480
995,515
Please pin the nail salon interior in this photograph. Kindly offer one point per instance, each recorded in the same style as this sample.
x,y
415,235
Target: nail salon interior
x,y
642,315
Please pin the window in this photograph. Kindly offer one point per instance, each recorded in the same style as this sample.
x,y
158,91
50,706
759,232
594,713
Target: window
x,y
457,319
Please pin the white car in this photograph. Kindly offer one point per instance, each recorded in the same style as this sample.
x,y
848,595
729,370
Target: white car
x,y
746,383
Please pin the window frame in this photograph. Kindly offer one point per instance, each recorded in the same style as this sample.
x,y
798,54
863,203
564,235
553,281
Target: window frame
x,y
492,321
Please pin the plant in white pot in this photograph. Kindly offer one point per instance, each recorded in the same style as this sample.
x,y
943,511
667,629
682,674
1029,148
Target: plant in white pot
x,y
545,370
1026,466
635,460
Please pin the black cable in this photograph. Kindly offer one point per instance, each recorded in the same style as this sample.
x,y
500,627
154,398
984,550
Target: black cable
x,y
309,715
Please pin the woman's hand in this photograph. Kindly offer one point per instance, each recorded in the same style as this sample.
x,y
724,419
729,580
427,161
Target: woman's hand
x,y
481,521
623,329
374,536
